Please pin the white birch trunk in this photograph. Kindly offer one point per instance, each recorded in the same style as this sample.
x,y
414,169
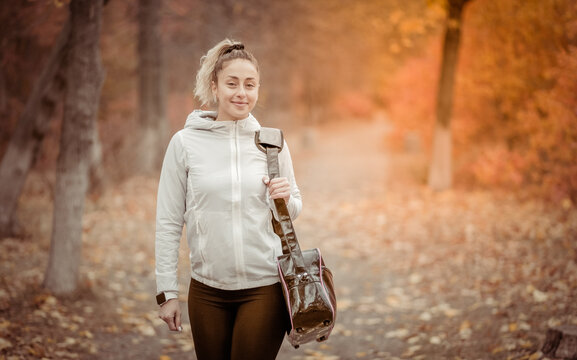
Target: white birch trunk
x,y
441,172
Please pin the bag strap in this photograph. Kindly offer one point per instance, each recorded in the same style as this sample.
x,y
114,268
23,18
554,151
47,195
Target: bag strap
x,y
270,141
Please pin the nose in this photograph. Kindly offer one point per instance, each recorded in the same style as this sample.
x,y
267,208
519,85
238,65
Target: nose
x,y
241,91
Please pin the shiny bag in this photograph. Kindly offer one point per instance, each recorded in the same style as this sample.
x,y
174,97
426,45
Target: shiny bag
x,y
310,297
307,283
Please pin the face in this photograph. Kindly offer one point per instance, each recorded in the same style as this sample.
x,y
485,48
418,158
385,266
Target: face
x,y
236,89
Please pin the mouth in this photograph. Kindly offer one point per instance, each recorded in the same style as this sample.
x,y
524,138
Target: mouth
x,y
239,104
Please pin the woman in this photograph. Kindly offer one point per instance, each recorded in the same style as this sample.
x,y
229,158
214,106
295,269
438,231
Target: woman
x,y
214,180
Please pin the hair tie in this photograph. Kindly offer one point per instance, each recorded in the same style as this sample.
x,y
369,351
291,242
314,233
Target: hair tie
x,y
237,46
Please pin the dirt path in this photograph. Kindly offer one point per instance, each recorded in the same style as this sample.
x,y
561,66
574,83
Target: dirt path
x,y
456,275
344,166
419,275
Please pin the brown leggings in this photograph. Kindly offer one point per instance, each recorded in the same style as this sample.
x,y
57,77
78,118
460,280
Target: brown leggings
x,y
237,324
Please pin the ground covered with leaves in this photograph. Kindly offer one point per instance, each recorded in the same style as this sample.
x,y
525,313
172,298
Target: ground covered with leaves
x,y
420,275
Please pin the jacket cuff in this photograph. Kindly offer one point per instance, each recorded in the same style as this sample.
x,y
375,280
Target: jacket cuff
x,y
168,295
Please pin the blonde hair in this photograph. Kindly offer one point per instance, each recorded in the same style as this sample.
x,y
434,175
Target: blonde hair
x,y
211,64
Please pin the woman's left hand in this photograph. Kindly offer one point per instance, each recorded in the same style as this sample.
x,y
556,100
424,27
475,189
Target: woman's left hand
x,y
278,188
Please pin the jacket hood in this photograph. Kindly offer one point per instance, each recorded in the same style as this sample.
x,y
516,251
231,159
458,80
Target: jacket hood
x,y
206,120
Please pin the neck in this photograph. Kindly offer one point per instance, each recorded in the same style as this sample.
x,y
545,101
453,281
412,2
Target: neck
x,y
219,118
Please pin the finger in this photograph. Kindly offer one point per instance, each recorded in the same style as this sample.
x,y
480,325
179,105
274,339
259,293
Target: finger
x,y
265,180
168,318
274,194
279,189
278,184
279,180
171,324
177,322
280,195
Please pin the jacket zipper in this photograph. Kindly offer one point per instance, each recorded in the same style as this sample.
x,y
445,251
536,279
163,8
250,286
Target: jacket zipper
x,y
236,152
237,220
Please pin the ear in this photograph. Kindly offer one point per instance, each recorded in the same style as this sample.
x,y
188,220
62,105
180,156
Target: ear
x,y
213,88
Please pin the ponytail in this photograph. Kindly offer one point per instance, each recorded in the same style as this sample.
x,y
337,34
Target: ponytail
x,y
211,64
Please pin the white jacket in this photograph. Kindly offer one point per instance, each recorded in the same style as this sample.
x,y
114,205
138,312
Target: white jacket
x,y
211,180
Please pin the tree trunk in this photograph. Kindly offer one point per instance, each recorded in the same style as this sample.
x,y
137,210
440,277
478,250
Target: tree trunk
x,y
561,342
3,96
30,130
153,129
220,26
440,172
97,175
84,81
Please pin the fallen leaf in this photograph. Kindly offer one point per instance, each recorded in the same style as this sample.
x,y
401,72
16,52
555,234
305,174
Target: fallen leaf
x,y
146,330
411,350
399,333
465,330
497,350
540,296
415,278
426,316
4,344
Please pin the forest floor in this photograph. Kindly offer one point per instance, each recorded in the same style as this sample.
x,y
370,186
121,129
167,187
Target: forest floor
x,y
460,274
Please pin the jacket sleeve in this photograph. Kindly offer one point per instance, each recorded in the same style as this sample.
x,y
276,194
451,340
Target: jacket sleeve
x,y
170,208
295,203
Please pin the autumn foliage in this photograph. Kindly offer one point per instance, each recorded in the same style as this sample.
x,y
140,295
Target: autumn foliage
x,y
515,119
474,272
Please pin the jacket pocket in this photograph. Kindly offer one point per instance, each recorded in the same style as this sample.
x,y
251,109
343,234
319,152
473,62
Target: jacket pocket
x,y
201,233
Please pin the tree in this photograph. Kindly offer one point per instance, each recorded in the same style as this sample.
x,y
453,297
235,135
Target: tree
x,y
30,130
3,96
519,111
440,172
152,113
84,80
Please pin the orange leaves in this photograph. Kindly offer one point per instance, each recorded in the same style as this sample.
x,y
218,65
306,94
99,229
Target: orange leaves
x,y
534,124
497,166
515,125
551,133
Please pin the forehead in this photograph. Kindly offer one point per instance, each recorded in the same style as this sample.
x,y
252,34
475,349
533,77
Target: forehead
x,y
239,68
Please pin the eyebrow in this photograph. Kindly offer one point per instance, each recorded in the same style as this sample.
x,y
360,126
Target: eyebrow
x,y
236,77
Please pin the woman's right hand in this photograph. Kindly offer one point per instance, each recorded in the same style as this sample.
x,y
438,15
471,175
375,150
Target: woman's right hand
x,y
170,313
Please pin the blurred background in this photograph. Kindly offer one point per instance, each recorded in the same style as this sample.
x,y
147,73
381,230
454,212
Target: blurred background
x,y
434,141
514,112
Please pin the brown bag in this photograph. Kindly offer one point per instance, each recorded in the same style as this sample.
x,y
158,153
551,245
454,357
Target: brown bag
x,y
307,283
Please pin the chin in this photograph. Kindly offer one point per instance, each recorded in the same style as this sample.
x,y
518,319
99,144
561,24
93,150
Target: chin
x,y
241,116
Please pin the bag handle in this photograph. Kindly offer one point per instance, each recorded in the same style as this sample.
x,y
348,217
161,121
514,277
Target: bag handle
x,y
270,141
